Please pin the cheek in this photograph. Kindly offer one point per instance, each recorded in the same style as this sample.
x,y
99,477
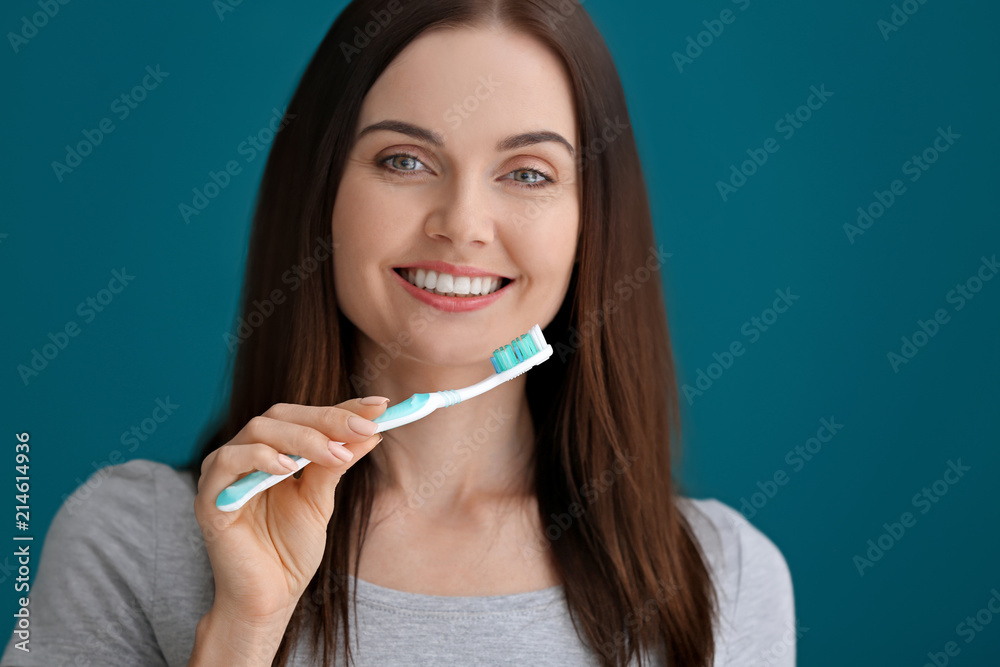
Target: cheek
x,y
551,242
366,223
545,251
370,229
359,237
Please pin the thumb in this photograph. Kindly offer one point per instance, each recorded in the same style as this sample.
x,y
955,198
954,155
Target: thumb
x,y
319,483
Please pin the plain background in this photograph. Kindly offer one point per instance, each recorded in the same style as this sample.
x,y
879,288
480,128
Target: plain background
x,y
783,229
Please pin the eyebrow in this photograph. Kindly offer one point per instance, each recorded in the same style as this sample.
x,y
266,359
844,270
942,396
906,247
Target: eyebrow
x,y
506,144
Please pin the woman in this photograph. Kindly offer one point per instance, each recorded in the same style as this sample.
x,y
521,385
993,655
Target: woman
x,y
536,524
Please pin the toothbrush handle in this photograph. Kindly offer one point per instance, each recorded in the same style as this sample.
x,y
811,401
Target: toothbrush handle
x,y
410,410
239,492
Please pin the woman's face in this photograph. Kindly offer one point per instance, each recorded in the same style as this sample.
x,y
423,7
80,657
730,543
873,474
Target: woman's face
x,y
463,164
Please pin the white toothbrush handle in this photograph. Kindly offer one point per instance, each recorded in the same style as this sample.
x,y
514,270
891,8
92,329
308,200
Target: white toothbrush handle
x,y
415,407
239,492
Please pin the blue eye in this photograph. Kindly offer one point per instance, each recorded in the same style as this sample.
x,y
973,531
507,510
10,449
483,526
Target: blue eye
x,y
402,162
536,178
406,164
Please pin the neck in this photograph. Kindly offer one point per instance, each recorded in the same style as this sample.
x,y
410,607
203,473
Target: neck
x,y
460,460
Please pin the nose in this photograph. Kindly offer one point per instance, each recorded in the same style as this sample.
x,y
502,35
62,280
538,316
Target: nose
x,y
463,215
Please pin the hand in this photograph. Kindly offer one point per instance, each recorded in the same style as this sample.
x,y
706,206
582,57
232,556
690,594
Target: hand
x,y
264,554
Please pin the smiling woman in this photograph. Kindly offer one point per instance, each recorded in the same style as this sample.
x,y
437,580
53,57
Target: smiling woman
x,y
538,524
411,198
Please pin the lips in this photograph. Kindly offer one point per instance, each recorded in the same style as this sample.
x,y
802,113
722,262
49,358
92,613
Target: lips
x,y
452,304
452,285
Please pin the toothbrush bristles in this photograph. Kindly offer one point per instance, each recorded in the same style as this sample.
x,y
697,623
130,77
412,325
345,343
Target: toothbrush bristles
x,y
519,350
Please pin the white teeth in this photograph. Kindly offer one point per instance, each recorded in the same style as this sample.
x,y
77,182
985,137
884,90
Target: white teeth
x,y
447,284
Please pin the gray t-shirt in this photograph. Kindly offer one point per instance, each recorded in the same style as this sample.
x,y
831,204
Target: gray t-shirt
x,y
124,579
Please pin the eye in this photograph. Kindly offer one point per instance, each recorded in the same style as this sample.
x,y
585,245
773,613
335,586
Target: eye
x,y
530,178
402,162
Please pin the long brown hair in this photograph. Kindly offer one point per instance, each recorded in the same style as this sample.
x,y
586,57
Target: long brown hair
x,y
605,408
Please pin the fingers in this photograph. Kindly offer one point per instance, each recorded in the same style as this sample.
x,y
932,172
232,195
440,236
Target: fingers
x,y
368,407
318,485
291,438
259,445
345,422
333,438
223,466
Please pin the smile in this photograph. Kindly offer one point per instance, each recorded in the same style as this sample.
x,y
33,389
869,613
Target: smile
x,y
446,284
459,296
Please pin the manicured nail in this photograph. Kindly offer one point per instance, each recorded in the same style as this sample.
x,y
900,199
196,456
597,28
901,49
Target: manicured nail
x,y
374,400
287,462
362,426
341,452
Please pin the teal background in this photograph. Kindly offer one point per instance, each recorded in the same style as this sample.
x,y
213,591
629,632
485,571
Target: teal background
x,y
826,357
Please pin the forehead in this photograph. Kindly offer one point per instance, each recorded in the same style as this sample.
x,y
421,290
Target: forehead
x,y
469,81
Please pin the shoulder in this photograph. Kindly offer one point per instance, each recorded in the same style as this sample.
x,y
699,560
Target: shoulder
x,y
139,486
753,580
726,535
100,591
125,515
122,511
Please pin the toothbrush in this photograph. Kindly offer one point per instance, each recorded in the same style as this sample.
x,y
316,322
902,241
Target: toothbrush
x,y
509,361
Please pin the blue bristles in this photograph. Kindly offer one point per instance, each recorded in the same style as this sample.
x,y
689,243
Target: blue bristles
x,y
508,356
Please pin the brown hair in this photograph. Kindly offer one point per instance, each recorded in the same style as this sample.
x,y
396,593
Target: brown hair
x,y
605,407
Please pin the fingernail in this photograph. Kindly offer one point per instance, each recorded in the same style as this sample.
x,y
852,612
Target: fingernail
x,y
361,425
374,400
287,462
341,452
379,439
